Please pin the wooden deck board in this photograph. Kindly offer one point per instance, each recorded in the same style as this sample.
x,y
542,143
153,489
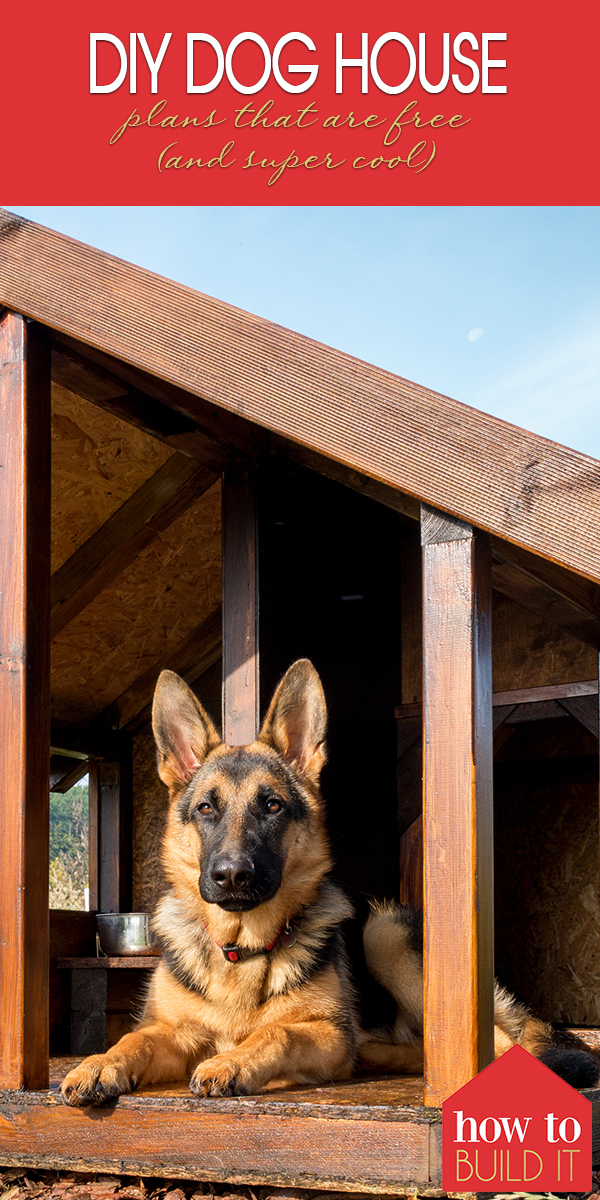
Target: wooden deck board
x,y
359,1135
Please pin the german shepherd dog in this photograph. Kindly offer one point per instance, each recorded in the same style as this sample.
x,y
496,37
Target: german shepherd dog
x,y
255,984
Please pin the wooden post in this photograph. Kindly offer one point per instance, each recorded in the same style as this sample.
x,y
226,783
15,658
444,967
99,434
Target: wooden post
x,y
93,834
24,702
240,608
458,803
114,808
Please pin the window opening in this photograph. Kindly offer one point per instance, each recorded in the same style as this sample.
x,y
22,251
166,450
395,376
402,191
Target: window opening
x,y
69,847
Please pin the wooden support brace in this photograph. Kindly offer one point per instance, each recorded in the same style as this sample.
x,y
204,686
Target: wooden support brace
x,y
240,608
24,702
458,813
153,507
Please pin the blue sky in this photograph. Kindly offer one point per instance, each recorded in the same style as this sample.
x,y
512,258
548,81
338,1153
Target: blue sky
x,y
403,288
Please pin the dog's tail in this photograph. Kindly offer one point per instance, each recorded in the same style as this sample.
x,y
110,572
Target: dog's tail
x,y
393,951
562,1052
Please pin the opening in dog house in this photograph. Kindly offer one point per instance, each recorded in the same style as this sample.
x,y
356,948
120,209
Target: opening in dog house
x,y
280,577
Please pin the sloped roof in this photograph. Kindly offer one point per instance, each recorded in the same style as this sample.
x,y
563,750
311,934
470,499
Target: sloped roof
x,y
533,492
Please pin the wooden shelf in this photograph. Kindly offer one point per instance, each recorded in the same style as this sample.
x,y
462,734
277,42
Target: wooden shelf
x,y
126,962
360,1135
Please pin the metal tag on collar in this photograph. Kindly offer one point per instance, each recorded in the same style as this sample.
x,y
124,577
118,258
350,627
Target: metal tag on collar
x,y
289,936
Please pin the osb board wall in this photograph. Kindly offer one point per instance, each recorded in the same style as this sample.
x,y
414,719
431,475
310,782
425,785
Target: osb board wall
x,y
528,652
547,877
98,461
167,591
150,804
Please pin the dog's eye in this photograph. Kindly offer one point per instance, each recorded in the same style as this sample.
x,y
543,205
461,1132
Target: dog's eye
x,y
205,808
273,806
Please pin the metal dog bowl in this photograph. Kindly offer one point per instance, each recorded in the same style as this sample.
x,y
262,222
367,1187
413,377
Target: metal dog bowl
x,y
126,933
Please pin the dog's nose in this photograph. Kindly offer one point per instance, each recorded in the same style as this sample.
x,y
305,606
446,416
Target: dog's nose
x,y
233,875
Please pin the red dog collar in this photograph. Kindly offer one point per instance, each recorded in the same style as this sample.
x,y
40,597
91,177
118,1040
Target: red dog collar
x,y
234,953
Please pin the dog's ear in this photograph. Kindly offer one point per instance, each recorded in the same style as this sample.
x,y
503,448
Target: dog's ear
x,y
183,732
296,722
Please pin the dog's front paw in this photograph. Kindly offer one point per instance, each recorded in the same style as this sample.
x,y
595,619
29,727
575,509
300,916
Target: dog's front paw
x,y
222,1075
97,1080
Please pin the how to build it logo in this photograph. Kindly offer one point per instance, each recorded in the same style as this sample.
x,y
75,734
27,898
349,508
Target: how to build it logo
x,y
517,1127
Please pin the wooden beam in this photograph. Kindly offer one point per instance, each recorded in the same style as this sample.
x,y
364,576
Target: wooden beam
x,y
562,598
152,508
240,608
458,804
584,709
24,702
193,656
66,772
411,865
93,831
531,695
78,374
373,489
409,770
549,691
544,497
128,391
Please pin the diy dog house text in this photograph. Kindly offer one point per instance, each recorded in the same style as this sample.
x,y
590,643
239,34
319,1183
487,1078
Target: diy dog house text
x,y
409,63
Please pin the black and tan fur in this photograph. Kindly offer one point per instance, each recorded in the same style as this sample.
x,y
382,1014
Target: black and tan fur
x,y
246,852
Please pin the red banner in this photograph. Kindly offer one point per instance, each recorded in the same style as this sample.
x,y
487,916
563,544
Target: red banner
x,y
140,103
517,1127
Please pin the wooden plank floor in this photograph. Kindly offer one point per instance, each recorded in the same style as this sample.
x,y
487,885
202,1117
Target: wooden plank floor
x,y
360,1135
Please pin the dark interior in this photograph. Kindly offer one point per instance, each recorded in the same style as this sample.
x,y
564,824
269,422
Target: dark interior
x,y
330,591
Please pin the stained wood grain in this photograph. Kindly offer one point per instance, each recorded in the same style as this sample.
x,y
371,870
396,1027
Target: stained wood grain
x,y
565,599
411,865
114,832
24,702
585,710
396,1096
458,830
533,695
411,620
409,770
93,836
62,780
152,508
557,610
240,608
297,1138
544,497
407,506
94,383
140,962
552,691
229,431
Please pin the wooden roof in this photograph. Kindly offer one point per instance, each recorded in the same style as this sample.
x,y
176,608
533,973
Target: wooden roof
x,y
157,389
319,403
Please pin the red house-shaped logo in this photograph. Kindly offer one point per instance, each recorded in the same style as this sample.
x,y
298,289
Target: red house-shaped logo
x,y
517,1127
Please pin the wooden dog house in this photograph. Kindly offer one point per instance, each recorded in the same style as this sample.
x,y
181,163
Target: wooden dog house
x,y
219,486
